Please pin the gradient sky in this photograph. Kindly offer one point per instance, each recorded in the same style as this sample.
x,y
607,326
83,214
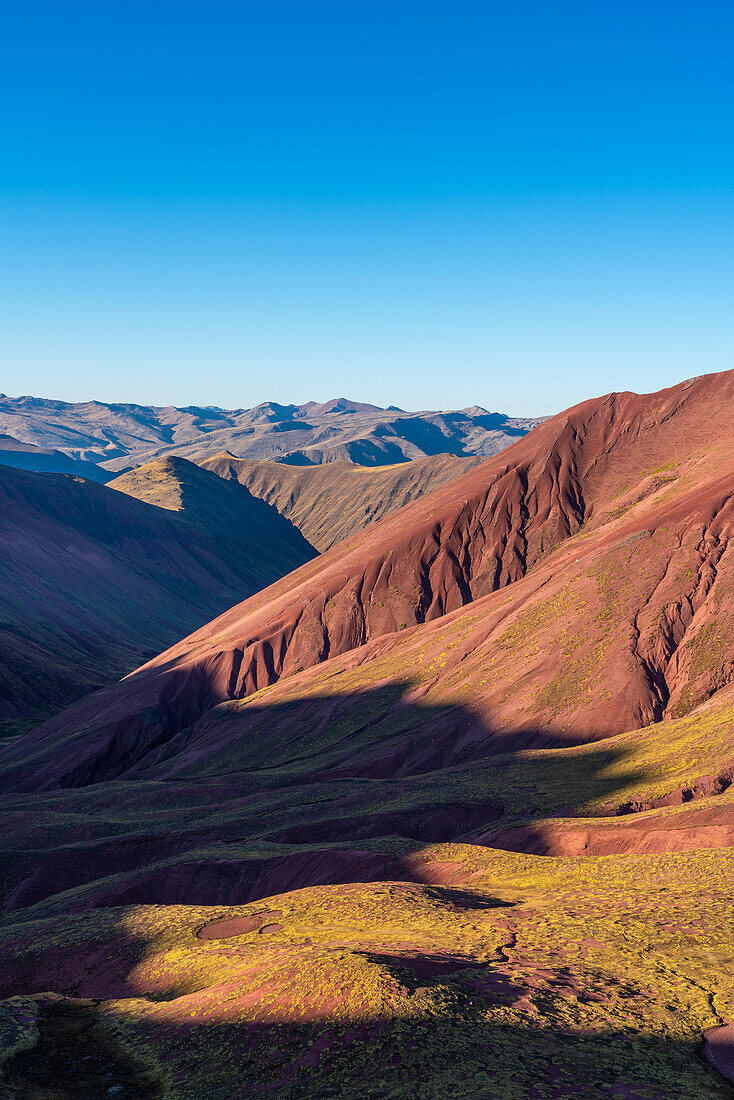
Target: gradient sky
x,y
410,202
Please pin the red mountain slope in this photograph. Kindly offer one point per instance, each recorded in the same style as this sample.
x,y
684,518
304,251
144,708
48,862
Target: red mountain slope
x,y
649,478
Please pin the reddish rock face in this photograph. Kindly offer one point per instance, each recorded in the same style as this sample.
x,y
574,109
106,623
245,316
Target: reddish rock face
x,y
643,482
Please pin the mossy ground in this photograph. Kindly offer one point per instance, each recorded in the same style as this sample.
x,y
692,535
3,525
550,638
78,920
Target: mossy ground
x,y
538,978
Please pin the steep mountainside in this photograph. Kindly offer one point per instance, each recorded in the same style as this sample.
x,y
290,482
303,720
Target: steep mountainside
x,y
308,853
328,503
250,535
91,580
644,483
117,437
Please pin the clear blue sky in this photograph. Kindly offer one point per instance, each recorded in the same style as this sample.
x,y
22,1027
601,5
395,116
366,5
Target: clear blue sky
x,y
411,202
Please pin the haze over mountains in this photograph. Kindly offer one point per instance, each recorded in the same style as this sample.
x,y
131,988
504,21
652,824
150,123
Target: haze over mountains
x,y
116,437
46,460
461,782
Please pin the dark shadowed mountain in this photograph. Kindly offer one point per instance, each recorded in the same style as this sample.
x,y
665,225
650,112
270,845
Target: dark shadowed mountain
x,y
93,580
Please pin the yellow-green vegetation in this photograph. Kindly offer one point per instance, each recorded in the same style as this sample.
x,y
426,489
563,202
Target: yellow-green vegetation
x,y
525,976
640,765
542,977
18,1027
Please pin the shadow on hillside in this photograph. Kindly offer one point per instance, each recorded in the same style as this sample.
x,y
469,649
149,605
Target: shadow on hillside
x,y
329,785
254,801
383,732
453,1054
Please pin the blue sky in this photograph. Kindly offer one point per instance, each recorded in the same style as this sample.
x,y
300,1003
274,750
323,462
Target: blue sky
x,y
421,203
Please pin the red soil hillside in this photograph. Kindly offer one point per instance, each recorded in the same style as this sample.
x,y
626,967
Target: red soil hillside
x,y
488,855
627,622
330,502
92,581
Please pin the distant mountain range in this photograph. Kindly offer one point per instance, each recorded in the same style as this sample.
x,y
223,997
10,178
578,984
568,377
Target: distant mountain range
x,y
37,433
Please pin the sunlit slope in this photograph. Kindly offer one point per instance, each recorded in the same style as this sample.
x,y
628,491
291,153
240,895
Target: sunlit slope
x,y
332,501
598,620
515,977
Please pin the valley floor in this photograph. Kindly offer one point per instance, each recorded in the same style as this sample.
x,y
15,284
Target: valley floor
x,y
489,974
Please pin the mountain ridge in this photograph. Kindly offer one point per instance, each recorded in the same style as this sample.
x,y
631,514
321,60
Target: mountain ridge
x,y
92,578
335,500
118,436
480,533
